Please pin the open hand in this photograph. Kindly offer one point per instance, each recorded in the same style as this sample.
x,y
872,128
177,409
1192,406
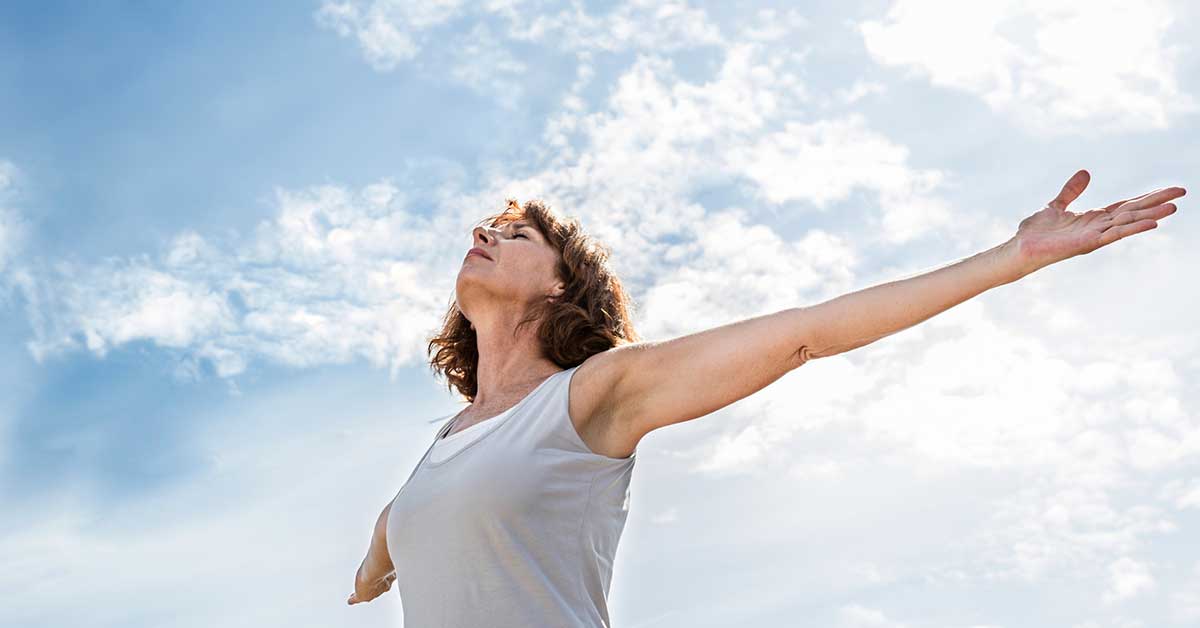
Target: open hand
x,y
1054,234
367,591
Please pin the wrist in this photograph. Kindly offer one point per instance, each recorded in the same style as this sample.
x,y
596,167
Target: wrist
x,y
1015,262
371,571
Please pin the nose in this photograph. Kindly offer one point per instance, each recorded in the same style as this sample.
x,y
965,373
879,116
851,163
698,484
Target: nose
x,y
481,235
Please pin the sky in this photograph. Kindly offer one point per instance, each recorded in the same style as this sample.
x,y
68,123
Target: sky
x,y
227,231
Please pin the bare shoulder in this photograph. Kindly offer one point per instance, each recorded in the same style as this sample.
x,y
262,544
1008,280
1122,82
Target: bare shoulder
x,y
591,404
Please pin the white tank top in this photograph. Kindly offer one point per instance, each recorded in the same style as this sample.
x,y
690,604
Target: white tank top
x,y
515,524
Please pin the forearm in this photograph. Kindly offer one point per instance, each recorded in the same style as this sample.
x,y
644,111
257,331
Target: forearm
x,y
378,562
860,318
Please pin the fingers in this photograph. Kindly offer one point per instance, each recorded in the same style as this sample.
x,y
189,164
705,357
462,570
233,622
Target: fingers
x,y
1111,206
1149,199
380,588
1134,216
1071,190
1158,212
386,585
1116,233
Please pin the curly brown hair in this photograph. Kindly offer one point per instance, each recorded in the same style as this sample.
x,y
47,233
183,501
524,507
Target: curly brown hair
x,y
592,315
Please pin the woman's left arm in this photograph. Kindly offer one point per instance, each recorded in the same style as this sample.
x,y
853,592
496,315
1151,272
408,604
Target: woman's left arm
x,y
859,318
662,383
1050,235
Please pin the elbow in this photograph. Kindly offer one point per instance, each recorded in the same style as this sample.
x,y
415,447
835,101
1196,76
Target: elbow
x,y
800,333
801,355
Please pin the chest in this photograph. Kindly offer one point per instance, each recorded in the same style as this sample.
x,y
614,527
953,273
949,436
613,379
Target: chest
x,y
474,416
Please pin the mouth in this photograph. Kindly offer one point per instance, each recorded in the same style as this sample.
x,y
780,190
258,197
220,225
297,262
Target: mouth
x,y
478,252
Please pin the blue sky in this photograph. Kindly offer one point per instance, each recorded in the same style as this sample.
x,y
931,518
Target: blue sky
x,y
226,232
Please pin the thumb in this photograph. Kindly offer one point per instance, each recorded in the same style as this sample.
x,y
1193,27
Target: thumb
x,y
1071,190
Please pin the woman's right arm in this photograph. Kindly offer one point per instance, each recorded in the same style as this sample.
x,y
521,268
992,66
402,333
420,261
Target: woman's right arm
x,y
377,572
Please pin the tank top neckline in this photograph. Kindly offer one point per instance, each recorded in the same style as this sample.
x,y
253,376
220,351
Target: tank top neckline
x,y
503,418
470,429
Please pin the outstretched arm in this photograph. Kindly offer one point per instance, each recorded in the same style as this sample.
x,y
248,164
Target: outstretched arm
x,y
1048,236
656,384
860,318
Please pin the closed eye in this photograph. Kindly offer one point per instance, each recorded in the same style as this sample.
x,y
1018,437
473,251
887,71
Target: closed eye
x,y
521,235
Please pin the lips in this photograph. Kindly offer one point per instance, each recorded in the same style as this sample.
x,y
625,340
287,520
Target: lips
x,y
478,251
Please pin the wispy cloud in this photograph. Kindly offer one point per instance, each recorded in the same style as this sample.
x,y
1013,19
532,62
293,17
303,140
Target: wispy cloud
x,y
389,31
335,276
477,44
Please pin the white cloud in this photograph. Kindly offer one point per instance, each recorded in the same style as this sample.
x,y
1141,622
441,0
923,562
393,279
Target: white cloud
x,y
771,24
1183,494
650,25
1052,527
855,616
1129,578
1185,601
113,304
825,161
388,31
1052,67
333,277
392,32
487,67
860,89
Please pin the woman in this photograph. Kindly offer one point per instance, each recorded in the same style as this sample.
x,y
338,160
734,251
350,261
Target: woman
x,y
513,515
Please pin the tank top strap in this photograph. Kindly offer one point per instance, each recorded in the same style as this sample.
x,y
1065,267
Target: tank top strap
x,y
555,424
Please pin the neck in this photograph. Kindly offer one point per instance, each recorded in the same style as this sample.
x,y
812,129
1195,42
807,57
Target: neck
x,y
507,365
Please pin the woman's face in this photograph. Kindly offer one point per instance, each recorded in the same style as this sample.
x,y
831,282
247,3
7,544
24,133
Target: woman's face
x,y
520,271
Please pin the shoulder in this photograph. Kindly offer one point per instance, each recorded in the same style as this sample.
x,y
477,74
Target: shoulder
x,y
591,404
